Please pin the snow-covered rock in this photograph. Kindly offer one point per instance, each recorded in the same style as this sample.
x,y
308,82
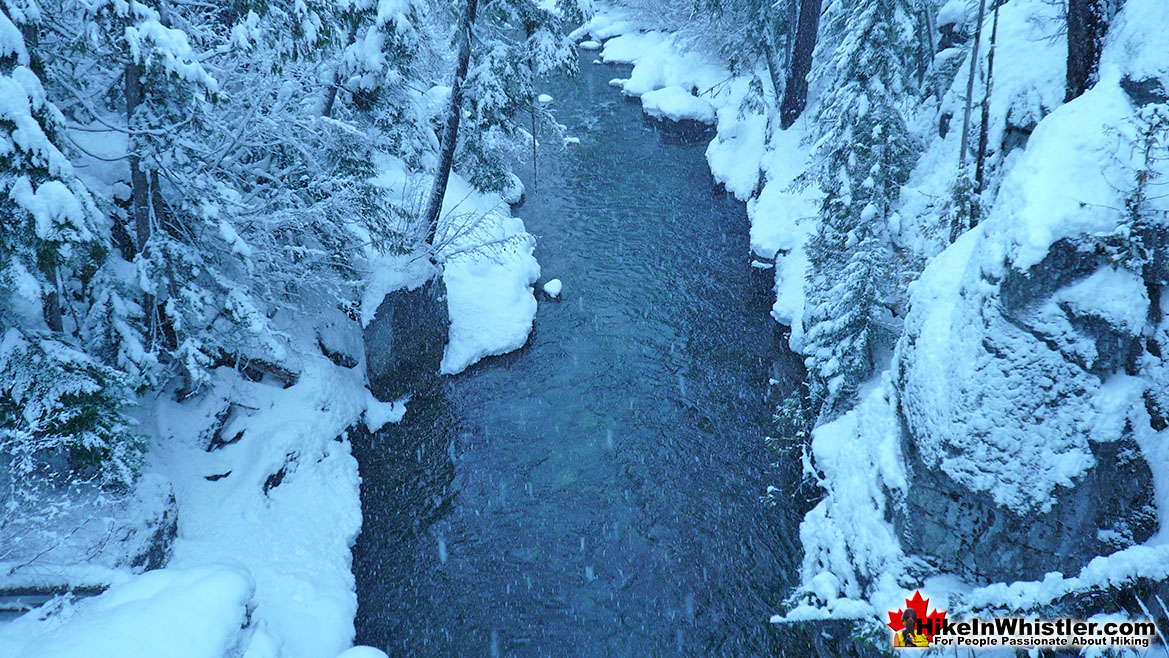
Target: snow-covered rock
x,y
553,288
490,270
363,652
677,104
1026,373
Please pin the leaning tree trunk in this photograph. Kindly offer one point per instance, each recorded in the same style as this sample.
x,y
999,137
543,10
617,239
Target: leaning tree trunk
x,y
970,83
983,126
773,68
795,93
1086,25
451,131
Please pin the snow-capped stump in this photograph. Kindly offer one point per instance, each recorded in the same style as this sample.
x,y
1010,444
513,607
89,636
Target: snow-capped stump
x,y
544,99
553,287
590,45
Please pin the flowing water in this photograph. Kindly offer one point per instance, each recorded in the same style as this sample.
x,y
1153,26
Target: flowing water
x,y
596,493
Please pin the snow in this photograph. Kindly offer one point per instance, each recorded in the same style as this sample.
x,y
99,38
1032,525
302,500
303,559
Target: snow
x,y
553,287
378,414
1147,561
1137,42
515,190
1029,81
1117,296
363,652
487,264
11,41
951,304
231,237
21,94
178,613
287,511
604,25
151,41
952,13
1075,143
677,104
778,213
590,45
1026,435
25,302
782,219
660,62
736,153
850,548
490,270
544,99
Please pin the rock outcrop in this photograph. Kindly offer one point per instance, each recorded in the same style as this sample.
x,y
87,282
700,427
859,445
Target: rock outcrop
x,y
404,343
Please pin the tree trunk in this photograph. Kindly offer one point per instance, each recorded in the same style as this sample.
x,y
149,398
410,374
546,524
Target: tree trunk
x,y
970,83
934,47
983,127
52,302
335,85
795,94
140,191
925,44
773,69
1086,25
532,115
139,185
451,131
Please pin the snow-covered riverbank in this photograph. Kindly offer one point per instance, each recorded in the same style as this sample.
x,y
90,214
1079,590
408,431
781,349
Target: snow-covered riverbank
x,y
265,488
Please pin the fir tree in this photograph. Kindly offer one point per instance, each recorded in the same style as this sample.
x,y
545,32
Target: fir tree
x,y
863,155
62,413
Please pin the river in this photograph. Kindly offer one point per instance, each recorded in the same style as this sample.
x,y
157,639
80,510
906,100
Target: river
x,y
596,493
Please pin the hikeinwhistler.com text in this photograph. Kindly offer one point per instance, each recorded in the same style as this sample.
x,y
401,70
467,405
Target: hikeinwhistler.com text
x,y
1022,632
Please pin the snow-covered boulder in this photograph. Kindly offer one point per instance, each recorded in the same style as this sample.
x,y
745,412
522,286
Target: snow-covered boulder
x,y
677,104
404,344
553,288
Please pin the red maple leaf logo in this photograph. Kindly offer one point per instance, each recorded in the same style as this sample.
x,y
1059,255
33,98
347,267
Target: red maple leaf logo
x,y
930,623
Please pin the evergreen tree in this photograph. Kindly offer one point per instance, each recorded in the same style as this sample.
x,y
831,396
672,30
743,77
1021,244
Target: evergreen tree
x,y
518,41
863,155
62,413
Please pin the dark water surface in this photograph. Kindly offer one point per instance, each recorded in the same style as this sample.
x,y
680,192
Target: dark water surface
x,y
598,492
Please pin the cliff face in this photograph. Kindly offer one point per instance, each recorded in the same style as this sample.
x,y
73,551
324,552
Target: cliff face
x,y
1031,375
1023,456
